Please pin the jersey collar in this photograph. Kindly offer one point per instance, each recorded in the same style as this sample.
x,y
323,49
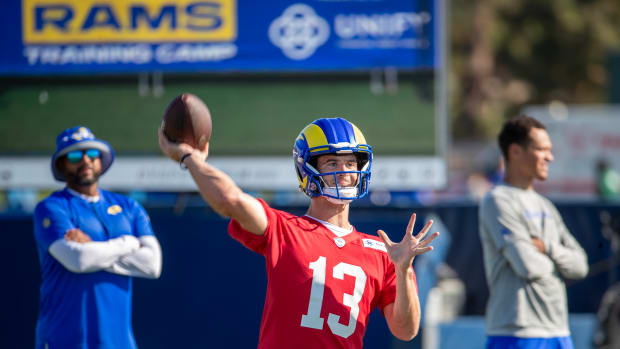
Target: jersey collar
x,y
87,198
338,231
351,235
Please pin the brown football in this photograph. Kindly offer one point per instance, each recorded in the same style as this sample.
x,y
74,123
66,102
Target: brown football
x,y
187,120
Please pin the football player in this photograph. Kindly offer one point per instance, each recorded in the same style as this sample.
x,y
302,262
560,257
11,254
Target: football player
x,y
324,277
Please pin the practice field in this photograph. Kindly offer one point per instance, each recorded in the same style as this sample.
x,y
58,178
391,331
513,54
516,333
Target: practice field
x,y
251,116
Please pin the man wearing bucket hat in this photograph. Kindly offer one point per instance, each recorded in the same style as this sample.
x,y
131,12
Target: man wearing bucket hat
x,y
90,243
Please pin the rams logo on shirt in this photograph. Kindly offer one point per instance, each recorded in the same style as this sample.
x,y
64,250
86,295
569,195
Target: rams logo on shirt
x,y
114,209
46,223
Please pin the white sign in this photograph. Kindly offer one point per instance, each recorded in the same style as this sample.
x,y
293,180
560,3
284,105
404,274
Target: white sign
x,y
252,173
581,136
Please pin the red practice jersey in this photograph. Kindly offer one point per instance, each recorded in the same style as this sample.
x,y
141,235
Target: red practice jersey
x,y
321,289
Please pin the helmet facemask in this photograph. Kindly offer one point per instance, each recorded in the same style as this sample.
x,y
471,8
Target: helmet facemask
x,y
318,186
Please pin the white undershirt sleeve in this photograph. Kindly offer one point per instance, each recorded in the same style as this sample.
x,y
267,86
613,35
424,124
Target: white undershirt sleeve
x,y
92,256
144,262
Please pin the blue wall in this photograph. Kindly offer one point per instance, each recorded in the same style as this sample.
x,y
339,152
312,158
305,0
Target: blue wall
x,y
211,291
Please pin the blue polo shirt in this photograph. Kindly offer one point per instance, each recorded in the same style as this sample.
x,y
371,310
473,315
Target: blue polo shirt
x,y
85,310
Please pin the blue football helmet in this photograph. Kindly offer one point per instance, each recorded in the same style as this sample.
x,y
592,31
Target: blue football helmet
x,y
331,136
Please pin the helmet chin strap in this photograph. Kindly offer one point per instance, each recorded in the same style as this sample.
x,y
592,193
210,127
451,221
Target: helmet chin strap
x,y
338,201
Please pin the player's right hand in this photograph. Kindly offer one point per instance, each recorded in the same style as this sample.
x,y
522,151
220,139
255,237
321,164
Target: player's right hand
x,y
539,244
176,150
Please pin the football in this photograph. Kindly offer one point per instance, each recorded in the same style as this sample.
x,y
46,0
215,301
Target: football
x,y
187,120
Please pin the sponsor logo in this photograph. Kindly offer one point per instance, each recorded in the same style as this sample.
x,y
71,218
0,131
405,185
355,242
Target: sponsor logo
x,y
383,30
299,31
379,25
339,242
377,245
122,21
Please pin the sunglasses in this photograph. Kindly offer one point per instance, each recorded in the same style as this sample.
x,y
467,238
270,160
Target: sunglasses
x,y
76,156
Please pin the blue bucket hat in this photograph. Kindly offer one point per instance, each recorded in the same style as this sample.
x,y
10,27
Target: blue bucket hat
x,y
77,138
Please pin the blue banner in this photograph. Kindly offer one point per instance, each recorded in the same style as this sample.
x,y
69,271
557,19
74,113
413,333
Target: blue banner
x,y
129,36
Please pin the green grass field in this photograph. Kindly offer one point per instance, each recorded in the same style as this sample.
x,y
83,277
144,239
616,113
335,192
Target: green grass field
x,y
252,116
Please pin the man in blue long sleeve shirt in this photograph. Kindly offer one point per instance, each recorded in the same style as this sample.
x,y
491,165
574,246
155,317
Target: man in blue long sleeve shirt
x,y
90,243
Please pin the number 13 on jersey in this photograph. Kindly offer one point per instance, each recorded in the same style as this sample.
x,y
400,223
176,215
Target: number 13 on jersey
x,y
313,318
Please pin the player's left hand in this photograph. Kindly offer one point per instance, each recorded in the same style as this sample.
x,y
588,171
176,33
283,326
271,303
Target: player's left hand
x,y
403,253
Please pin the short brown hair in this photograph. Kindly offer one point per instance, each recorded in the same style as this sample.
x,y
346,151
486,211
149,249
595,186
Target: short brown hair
x,y
517,130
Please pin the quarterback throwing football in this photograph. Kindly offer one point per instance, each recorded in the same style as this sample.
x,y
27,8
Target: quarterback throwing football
x,y
324,277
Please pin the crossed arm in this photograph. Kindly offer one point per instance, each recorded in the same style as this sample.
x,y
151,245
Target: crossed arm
x,y
125,255
532,258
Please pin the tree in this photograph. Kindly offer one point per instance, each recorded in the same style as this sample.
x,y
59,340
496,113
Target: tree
x,y
506,54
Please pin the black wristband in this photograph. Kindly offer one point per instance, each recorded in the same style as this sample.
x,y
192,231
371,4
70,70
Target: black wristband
x,y
185,156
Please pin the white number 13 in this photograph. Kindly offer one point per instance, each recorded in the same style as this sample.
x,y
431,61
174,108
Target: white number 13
x,y
313,318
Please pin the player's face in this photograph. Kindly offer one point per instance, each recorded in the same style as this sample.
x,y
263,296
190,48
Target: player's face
x,y
537,154
335,163
83,169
